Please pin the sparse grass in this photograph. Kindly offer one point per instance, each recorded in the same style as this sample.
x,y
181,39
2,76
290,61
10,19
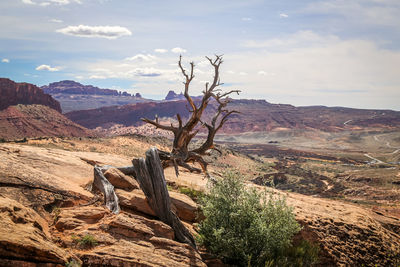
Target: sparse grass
x,y
56,214
192,193
300,255
72,263
86,241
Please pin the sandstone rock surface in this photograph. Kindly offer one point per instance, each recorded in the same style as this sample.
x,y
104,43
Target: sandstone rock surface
x,y
125,239
24,236
184,206
120,180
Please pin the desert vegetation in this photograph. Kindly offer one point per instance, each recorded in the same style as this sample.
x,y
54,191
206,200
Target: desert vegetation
x,y
246,227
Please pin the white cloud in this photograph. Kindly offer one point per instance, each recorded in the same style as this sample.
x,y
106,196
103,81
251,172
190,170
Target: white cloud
x,y
109,32
291,41
5,60
246,19
203,63
146,72
314,69
160,50
28,2
47,68
283,15
363,12
242,73
49,2
56,20
178,50
99,77
141,57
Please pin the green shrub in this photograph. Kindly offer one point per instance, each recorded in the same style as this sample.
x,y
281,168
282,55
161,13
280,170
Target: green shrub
x,y
246,227
86,241
192,193
72,263
303,254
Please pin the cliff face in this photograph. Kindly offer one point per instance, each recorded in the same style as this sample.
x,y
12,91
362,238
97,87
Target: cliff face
x,y
12,93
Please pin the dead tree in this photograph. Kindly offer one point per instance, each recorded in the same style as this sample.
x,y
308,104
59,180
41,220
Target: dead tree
x,y
180,154
149,172
150,175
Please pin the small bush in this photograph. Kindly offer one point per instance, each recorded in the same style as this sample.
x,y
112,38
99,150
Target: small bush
x,y
86,241
192,193
246,227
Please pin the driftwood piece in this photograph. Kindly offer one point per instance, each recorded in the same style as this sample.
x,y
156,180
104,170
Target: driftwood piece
x,y
150,175
128,170
101,182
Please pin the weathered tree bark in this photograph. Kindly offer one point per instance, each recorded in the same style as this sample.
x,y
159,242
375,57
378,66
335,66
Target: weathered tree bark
x,y
101,182
150,175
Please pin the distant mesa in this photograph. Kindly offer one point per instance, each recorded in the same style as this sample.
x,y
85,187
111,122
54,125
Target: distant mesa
x,y
174,96
72,87
26,111
12,93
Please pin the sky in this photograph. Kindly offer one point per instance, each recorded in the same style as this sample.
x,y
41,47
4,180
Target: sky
x,y
332,52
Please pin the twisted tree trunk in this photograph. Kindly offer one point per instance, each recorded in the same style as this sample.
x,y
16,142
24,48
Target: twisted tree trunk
x,y
149,173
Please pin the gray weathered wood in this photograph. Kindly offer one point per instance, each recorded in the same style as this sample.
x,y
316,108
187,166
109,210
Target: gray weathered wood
x,y
150,175
128,170
101,182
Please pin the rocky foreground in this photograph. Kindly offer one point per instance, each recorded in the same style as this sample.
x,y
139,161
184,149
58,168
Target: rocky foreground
x,y
49,217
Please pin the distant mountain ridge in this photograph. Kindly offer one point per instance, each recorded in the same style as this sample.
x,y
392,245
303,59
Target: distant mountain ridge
x,y
76,96
254,116
174,96
72,87
12,93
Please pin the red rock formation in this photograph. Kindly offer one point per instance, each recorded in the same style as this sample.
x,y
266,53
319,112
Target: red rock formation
x,y
12,93
17,122
254,116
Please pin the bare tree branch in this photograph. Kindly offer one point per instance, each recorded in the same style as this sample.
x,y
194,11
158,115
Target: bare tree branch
x,y
184,133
